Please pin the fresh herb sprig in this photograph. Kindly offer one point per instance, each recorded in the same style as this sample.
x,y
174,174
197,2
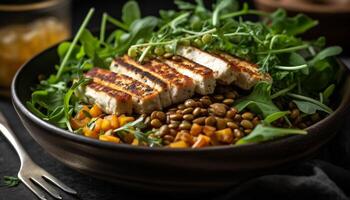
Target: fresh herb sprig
x,y
134,128
11,181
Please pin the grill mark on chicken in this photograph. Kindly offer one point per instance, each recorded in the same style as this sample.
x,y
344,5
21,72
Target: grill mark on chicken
x,y
130,67
144,98
125,82
194,67
202,76
180,87
248,74
122,96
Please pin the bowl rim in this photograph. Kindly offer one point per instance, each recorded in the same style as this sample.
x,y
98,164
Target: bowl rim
x,y
52,129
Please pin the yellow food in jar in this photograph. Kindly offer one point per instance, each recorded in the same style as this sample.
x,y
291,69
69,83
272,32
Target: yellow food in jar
x,y
18,43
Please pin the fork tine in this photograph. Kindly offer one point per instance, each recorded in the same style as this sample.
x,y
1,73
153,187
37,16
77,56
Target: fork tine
x,y
59,183
42,183
33,188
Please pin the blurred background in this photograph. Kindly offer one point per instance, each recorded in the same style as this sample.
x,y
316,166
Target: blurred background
x,y
29,26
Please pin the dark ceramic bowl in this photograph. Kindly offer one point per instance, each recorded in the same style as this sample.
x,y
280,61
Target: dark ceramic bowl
x,y
164,169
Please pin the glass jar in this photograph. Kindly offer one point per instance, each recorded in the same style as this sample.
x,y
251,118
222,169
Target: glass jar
x,y
26,28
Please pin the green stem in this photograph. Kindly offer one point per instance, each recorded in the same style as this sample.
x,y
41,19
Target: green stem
x,y
75,41
272,42
301,97
171,41
172,22
321,97
117,23
103,27
245,12
292,68
144,53
190,32
283,91
285,50
233,34
215,35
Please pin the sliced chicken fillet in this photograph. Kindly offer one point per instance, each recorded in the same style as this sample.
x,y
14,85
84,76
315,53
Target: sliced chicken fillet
x,y
134,70
144,98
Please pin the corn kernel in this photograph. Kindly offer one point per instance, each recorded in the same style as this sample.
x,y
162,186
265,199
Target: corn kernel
x,y
178,144
209,130
89,133
201,141
98,124
109,138
76,123
114,121
105,125
195,129
224,135
124,120
95,111
135,142
81,114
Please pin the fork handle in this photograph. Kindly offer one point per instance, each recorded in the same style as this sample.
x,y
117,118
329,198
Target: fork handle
x,y
11,137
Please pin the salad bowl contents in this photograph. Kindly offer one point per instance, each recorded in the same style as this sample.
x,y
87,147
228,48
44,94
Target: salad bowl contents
x,y
197,90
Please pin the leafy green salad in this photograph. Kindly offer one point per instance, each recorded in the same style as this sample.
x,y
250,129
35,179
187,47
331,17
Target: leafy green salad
x,y
304,72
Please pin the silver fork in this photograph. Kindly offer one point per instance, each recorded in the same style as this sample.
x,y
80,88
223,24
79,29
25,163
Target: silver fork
x,y
29,172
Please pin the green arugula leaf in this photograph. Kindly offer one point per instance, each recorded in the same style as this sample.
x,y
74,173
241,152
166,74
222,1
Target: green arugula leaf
x,y
67,98
141,28
130,12
138,123
259,100
90,43
275,116
144,137
325,53
31,107
11,181
327,93
291,26
295,59
221,7
48,99
63,49
183,5
135,129
308,107
262,133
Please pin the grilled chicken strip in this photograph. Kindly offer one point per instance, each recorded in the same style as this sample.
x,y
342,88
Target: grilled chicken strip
x,y
110,100
134,70
202,76
144,98
180,87
222,70
247,74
